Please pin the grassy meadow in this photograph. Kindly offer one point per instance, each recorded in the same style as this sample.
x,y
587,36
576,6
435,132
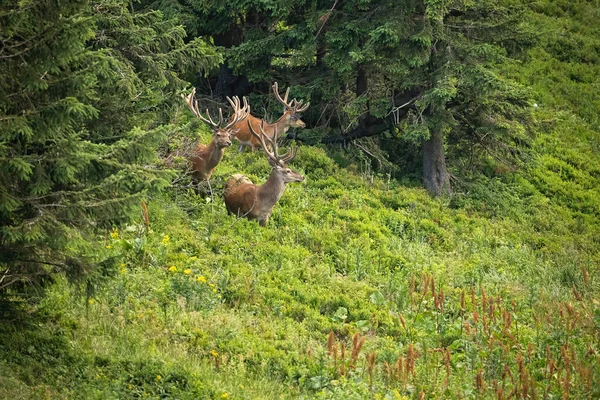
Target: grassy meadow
x,y
360,287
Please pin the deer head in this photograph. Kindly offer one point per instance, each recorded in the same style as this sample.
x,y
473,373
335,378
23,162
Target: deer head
x,y
278,162
245,199
291,109
204,159
221,134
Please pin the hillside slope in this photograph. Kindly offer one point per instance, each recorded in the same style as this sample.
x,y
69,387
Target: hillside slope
x,y
359,287
206,305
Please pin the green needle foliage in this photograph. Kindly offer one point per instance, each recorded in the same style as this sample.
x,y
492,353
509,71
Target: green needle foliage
x,y
85,94
413,73
362,286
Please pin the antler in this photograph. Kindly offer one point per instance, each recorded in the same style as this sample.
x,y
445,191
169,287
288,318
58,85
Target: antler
x,y
239,112
274,156
294,105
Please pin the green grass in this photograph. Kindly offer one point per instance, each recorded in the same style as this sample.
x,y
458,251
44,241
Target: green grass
x,y
204,305
492,293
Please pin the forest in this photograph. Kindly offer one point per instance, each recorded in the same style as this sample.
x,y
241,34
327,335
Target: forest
x,y
326,199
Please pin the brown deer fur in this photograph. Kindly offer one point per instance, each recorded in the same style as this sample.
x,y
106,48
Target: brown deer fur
x,y
205,158
245,199
289,119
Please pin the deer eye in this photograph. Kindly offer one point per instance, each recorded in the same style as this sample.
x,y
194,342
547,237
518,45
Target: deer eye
x,y
288,171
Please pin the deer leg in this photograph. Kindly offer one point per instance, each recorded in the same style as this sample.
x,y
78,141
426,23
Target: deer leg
x,y
196,186
241,148
212,198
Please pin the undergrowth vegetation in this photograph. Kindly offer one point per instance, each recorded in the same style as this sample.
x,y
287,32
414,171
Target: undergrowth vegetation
x,y
359,287
355,289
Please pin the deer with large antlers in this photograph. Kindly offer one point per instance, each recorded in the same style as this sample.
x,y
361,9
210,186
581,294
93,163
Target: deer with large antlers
x,y
205,158
289,119
245,199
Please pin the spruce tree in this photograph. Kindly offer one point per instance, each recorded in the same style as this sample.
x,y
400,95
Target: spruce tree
x,y
359,61
441,62
86,89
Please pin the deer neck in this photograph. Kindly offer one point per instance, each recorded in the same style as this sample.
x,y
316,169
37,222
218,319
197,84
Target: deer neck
x,y
282,124
214,154
270,192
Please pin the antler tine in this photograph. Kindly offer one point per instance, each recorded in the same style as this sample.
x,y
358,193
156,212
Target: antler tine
x,y
298,106
303,108
281,160
234,103
261,138
210,120
189,100
193,105
246,105
278,96
239,113
290,155
272,155
287,157
274,143
287,93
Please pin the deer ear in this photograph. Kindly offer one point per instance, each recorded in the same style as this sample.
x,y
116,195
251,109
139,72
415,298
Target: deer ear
x,y
233,132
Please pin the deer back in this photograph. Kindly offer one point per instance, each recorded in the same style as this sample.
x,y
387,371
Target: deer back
x,y
290,118
240,197
245,199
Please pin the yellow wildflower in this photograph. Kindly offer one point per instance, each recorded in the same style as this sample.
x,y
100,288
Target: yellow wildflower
x,y
166,239
214,353
91,301
211,284
114,234
215,290
225,395
202,279
108,246
397,395
172,268
187,271
158,378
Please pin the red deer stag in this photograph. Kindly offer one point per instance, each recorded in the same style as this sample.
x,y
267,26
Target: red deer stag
x,y
246,199
289,119
205,158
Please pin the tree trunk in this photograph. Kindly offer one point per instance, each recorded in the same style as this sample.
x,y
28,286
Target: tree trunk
x,y
229,84
436,178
